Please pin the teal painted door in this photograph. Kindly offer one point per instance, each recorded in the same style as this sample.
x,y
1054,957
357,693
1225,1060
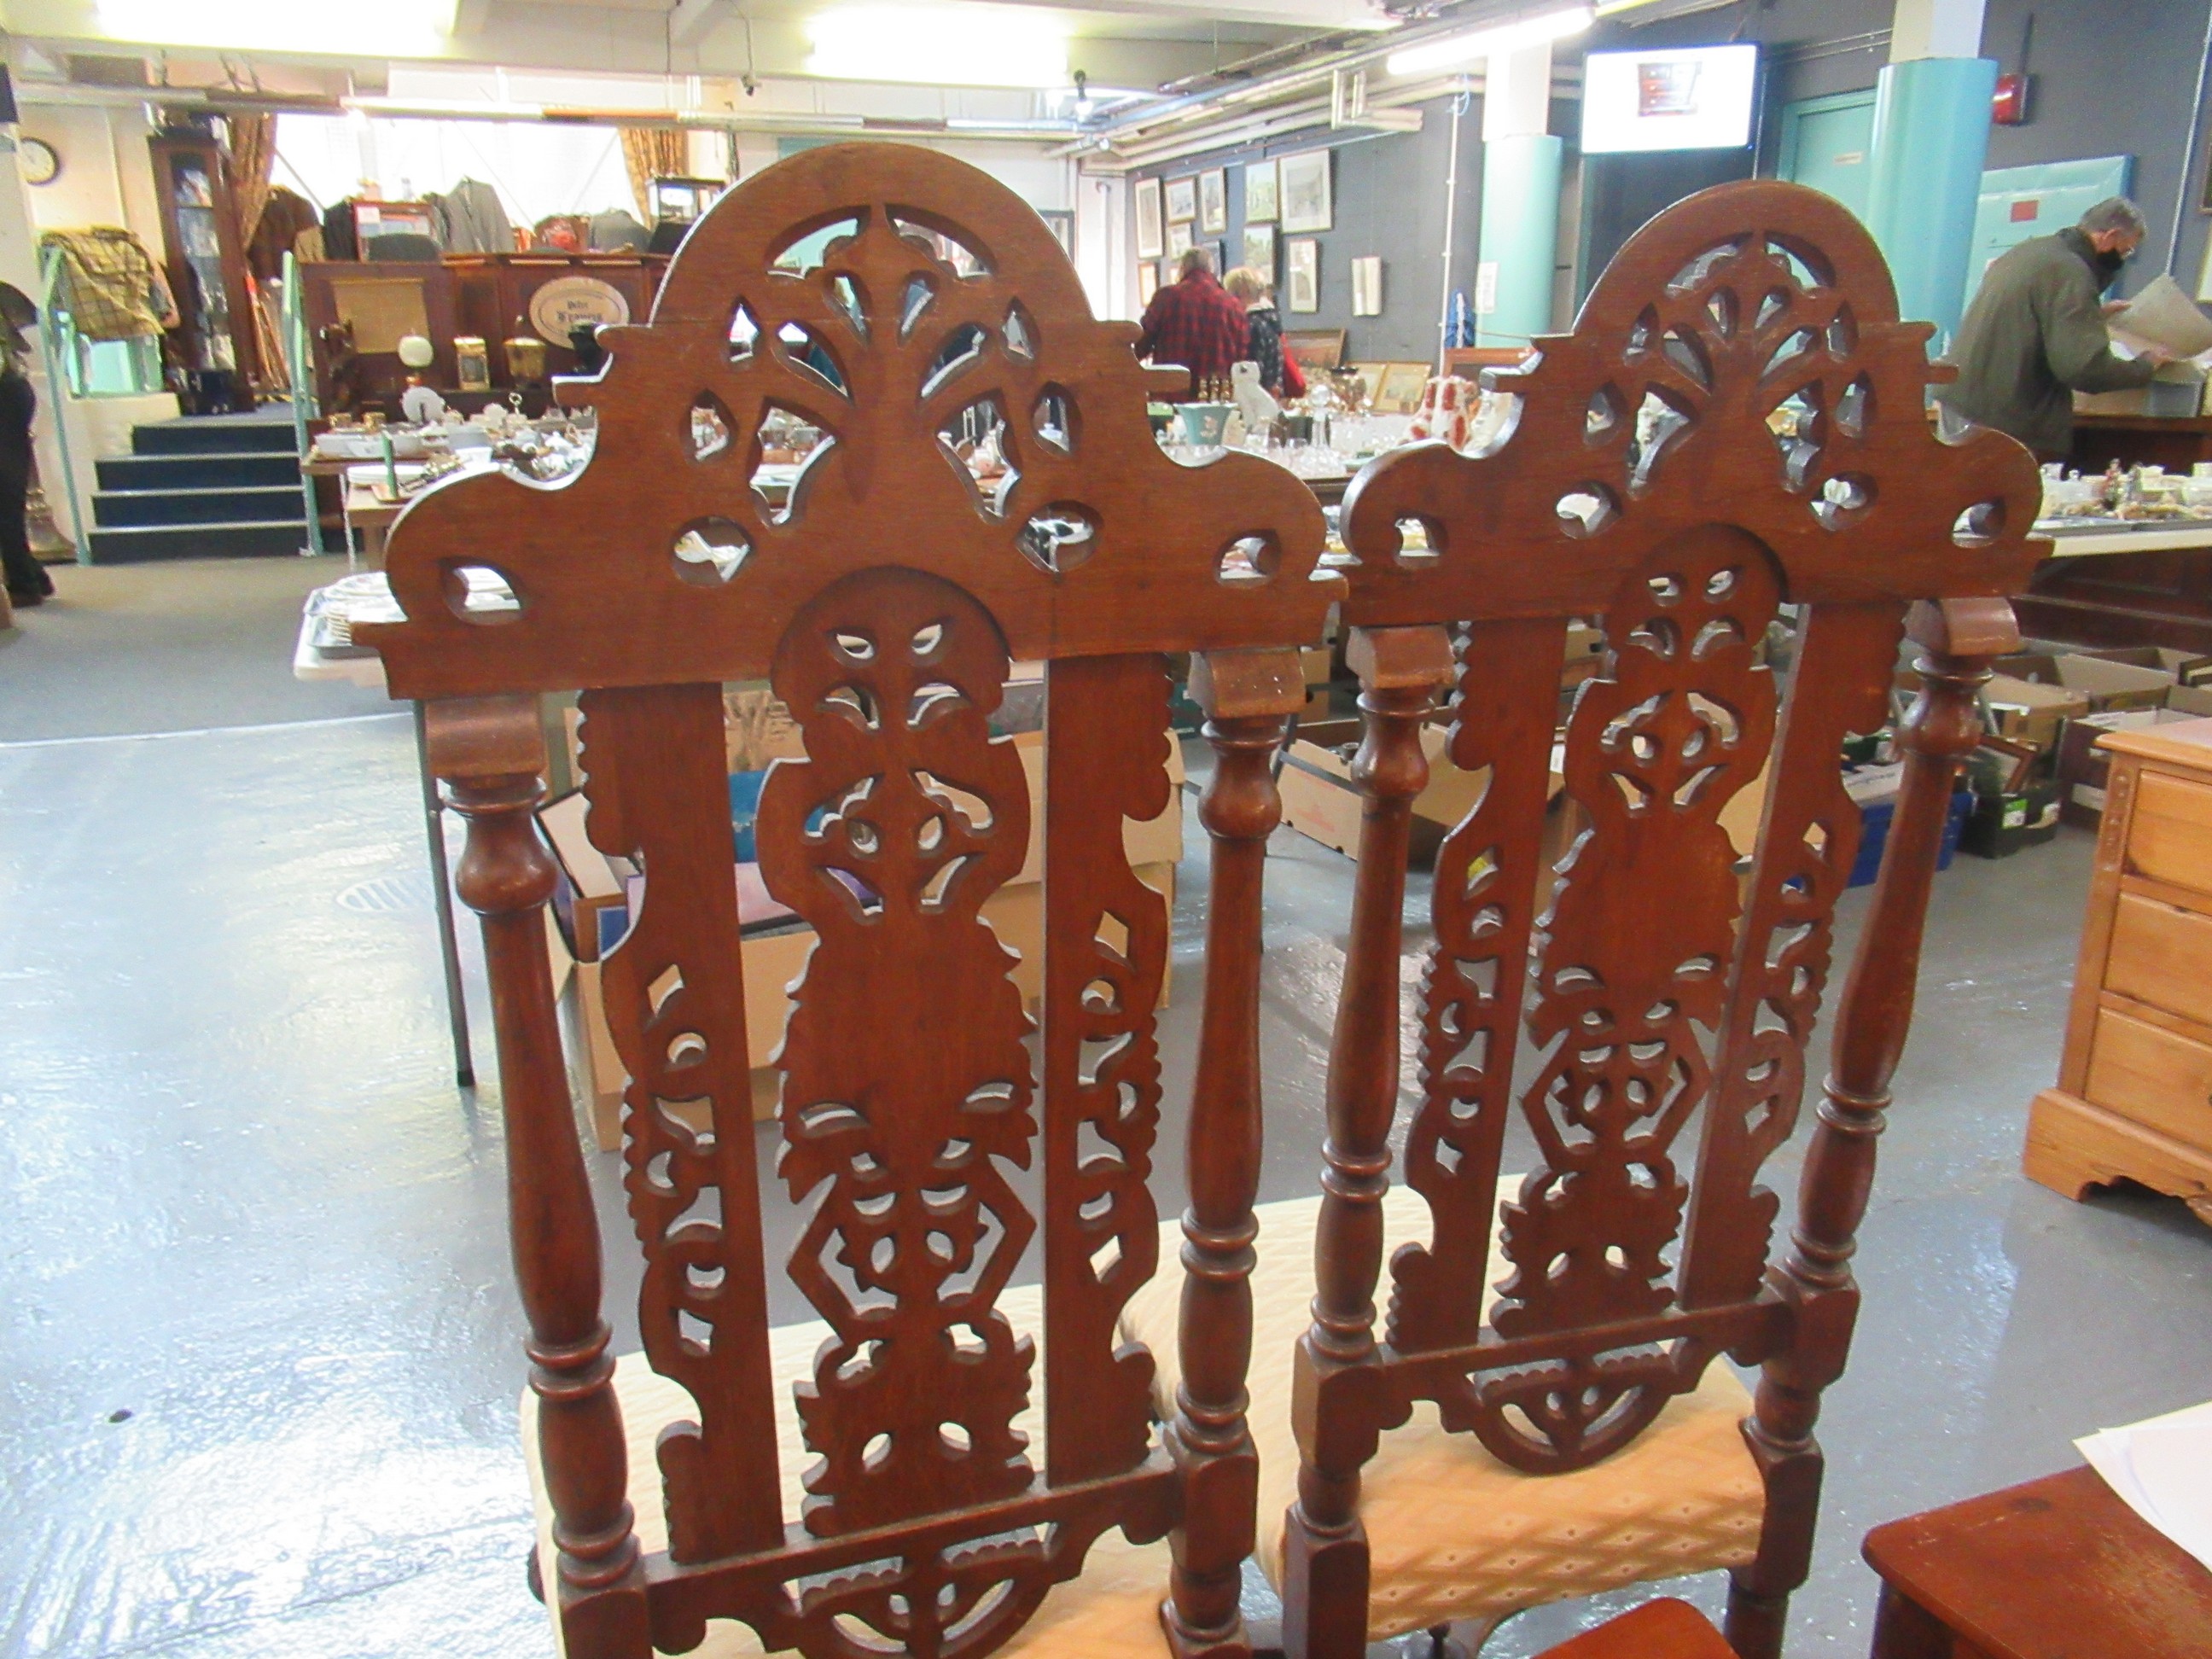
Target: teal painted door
x,y
2018,202
1824,144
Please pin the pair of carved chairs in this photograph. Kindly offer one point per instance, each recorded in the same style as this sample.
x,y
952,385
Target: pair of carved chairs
x,y
943,1464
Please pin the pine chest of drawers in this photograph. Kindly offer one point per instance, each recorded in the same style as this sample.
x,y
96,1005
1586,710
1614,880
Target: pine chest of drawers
x,y
2134,1098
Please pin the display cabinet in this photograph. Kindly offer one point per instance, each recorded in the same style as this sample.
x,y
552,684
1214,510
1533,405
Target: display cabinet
x,y
206,266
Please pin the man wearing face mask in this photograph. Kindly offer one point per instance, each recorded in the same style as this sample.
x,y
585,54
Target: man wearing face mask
x,y
2035,334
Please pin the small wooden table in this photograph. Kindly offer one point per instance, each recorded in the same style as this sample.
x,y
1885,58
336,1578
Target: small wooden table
x,y
2059,1568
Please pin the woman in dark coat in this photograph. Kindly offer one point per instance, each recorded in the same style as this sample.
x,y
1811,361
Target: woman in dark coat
x,y
27,580
1264,329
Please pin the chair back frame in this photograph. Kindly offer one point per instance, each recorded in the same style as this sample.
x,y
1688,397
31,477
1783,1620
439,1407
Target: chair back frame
x,y
889,296
1736,421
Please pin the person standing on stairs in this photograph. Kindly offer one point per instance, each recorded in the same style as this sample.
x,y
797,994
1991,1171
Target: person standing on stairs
x,y
27,581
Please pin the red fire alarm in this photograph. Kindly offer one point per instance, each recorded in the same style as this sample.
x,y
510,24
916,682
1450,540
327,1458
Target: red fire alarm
x,y
2008,108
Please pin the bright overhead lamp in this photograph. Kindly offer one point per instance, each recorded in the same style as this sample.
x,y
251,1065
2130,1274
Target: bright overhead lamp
x,y
1458,49
401,28
940,45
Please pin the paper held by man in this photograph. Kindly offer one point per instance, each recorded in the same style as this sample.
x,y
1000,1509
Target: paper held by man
x,y
2163,315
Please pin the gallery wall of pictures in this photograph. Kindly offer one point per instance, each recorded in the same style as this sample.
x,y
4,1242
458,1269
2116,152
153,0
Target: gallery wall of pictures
x,y
1351,234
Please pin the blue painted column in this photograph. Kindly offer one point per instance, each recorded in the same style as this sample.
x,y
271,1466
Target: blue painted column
x,y
1520,238
1931,141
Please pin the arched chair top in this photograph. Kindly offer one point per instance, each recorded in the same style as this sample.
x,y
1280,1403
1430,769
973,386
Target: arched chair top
x,y
875,292
1754,305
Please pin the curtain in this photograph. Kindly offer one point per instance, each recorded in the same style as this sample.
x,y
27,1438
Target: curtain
x,y
651,152
253,155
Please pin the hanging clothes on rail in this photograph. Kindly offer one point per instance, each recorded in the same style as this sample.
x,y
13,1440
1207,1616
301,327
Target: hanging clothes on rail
x,y
112,286
470,219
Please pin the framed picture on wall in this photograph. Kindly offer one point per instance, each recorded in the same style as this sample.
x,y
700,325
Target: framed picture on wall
x,y
1367,286
1259,250
1306,274
1402,386
1260,200
1148,280
1305,195
1182,200
1180,238
1151,238
1213,201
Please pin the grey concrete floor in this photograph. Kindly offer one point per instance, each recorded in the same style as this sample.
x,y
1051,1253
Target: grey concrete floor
x,y
258,1343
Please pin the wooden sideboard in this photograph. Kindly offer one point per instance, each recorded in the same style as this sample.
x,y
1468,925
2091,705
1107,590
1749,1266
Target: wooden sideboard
x,y
2175,443
2134,1098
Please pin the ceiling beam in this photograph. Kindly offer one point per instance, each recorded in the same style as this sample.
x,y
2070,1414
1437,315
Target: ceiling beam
x,y
691,19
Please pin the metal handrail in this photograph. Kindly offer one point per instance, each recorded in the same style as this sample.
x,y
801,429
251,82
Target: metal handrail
x,y
60,338
300,369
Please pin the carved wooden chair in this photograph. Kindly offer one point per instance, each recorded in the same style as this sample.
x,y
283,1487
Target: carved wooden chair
x,y
933,1468
1736,421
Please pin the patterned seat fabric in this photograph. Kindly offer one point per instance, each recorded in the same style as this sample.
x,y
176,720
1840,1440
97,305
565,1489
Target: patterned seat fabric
x,y
1112,1611
1455,1534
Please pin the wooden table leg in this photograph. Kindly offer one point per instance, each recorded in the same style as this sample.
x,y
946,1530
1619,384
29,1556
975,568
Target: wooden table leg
x,y
1903,1629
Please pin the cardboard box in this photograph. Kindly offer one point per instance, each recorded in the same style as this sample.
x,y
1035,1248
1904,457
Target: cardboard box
x,y
1319,799
2024,711
2108,684
1317,661
1585,647
2083,767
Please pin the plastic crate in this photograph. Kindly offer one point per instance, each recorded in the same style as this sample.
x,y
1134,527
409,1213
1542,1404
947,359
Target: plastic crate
x,y
1874,836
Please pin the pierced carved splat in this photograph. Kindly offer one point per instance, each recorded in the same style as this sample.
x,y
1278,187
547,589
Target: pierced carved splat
x,y
676,1008
1482,905
904,817
1736,423
1105,954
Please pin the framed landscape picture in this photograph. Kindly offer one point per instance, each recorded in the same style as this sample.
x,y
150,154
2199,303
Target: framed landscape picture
x,y
1306,195
1180,238
1260,200
1151,237
1213,201
1148,280
1401,387
1259,250
1182,200
1306,274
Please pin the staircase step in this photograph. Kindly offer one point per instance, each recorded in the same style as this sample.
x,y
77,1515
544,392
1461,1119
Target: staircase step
x,y
249,538
202,435
121,508
211,470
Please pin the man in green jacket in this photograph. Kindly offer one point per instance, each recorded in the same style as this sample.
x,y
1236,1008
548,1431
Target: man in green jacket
x,y
2035,334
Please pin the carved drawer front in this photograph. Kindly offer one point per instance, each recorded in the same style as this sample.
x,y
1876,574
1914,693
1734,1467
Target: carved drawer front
x,y
2153,1077
2161,955
2170,837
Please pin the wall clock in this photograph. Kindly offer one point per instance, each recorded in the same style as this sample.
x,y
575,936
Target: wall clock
x,y
40,164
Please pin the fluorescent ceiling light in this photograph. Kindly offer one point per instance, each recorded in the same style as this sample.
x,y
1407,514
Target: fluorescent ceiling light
x,y
1452,52
940,45
390,29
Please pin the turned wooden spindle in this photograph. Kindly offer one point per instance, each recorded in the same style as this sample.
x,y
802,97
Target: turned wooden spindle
x,y
1334,1411
1957,637
490,753
1248,696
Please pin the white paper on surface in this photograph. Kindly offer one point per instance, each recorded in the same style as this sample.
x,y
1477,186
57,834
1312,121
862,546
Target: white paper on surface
x,y
2162,1468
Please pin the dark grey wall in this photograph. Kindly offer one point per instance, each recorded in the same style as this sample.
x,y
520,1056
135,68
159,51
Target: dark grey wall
x,y
2113,77
1389,200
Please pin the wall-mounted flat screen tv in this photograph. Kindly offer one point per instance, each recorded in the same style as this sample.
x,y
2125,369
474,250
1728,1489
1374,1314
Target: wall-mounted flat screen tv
x,y
1669,98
